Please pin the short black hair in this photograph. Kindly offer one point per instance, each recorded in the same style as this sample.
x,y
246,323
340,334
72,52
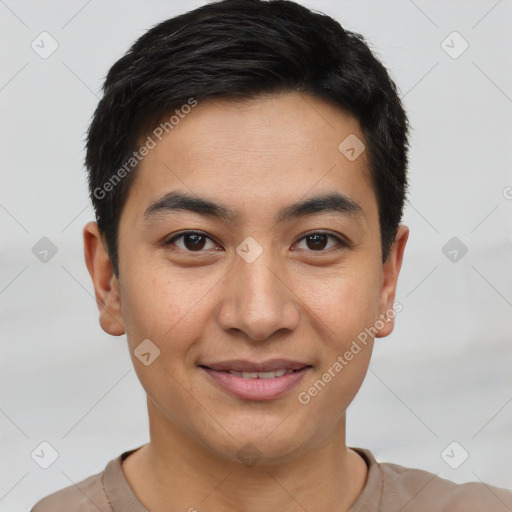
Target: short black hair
x,y
239,49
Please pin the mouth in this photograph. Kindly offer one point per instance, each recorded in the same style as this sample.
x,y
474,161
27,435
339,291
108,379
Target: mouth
x,y
256,369
256,381
259,375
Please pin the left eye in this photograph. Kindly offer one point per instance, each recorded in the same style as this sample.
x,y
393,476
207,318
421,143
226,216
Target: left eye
x,y
193,241
319,241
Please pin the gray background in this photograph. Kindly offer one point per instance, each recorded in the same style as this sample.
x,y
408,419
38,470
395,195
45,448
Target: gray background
x,y
442,376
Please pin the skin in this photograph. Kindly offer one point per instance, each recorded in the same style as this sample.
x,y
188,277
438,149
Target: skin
x,y
294,301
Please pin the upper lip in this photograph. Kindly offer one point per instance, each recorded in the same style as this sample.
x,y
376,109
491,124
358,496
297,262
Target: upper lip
x,y
240,365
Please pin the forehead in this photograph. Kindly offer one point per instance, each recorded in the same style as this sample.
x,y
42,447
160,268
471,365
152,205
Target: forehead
x,y
255,152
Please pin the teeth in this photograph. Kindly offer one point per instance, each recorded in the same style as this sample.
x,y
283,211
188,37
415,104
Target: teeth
x,y
266,375
261,375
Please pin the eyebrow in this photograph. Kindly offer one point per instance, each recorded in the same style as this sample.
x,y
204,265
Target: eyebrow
x,y
333,202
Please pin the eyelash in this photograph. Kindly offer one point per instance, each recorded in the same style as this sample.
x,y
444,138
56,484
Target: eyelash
x,y
342,244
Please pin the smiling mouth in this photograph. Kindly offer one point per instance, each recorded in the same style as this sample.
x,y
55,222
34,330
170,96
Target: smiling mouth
x,y
253,380
259,375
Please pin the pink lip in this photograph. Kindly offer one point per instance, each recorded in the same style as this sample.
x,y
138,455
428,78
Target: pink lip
x,y
256,389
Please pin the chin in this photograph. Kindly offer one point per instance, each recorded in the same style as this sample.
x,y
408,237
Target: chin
x,y
255,441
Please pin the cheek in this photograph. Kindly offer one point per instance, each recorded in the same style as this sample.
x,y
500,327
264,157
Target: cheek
x,y
170,308
154,306
343,302
345,309
159,310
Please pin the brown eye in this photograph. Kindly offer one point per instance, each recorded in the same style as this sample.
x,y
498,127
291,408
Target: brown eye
x,y
191,241
195,241
317,242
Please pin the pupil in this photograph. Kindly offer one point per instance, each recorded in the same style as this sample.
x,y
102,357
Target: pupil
x,y
316,240
196,242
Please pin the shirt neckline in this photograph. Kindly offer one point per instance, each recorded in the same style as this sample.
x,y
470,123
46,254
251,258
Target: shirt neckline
x,y
122,498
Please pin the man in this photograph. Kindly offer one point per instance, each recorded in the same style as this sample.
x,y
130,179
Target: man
x,y
247,165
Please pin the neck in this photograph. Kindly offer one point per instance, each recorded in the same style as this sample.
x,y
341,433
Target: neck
x,y
174,473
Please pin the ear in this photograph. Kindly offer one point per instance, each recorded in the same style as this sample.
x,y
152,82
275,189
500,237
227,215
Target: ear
x,y
390,271
106,284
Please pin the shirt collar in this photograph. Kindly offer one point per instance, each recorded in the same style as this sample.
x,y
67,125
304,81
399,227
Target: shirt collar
x,y
122,498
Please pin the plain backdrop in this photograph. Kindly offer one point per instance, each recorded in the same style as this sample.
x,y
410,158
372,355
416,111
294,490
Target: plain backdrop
x,y
443,376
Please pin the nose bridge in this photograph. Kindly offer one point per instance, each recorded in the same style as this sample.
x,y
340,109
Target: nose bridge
x,y
256,300
258,279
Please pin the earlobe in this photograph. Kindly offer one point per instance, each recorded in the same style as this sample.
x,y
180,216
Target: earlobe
x,y
106,285
391,269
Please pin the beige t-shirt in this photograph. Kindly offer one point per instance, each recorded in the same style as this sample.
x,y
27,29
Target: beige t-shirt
x,y
389,488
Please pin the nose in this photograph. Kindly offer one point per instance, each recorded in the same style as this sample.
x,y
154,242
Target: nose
x,y
258,299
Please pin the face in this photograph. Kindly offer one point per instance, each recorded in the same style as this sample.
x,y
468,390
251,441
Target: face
x,y
250,282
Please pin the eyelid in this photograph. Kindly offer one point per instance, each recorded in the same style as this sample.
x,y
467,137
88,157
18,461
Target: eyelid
x,y
342,241
339,238
170,241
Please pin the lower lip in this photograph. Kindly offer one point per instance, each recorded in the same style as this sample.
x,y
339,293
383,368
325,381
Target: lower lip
x,y
256,389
